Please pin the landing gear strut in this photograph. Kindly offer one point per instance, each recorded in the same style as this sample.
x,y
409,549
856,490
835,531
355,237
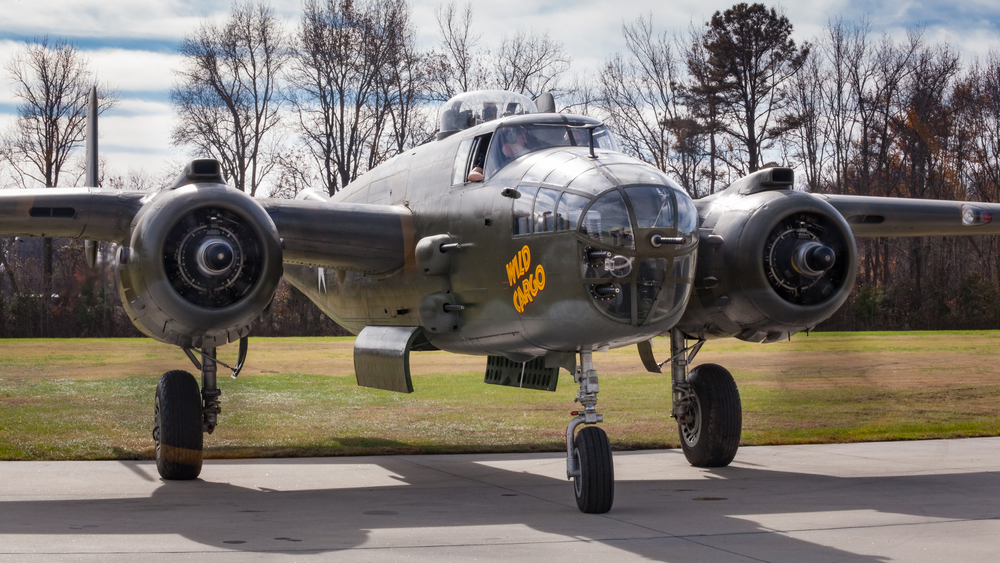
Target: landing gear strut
x,y
182,414
706,404
588,455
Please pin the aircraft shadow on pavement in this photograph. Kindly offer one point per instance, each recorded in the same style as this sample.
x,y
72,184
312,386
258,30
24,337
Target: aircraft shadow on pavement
x,y
651,518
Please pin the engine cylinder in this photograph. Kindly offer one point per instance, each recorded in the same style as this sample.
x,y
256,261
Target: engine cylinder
x,y
203,262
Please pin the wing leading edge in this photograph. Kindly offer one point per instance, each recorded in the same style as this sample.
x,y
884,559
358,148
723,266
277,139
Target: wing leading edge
x,y
898,217
86,213
371,239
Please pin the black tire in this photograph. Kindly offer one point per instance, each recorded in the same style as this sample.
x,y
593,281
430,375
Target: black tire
x,y
595,487
177,417
710,431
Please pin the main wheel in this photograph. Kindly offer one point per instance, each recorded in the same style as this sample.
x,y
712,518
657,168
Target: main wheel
x,y
595,486
177,420
713,419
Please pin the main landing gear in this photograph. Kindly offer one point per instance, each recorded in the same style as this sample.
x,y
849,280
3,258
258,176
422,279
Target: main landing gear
x,y
182,414
588,455
706,404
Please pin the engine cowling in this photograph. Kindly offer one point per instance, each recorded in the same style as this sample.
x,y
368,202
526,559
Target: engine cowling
x,y
771,262
202,263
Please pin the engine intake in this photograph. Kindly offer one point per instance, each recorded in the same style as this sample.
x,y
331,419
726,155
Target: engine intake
x,y
771,263
202,263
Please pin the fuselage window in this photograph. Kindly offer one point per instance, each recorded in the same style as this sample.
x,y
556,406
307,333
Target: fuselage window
x,y
521,212
569,210
545,210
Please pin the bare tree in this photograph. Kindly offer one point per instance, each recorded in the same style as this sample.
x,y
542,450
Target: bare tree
x,y
876,74
529,64
228,97
702,95
525,62
841,107
806,123
458,68
51,83
640,99
355,106
405,83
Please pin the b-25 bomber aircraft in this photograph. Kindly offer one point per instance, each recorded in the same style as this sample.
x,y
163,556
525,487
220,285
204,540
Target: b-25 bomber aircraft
x,y
520,234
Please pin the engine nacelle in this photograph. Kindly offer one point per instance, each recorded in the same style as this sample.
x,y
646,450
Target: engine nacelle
x,y
771,261
202,263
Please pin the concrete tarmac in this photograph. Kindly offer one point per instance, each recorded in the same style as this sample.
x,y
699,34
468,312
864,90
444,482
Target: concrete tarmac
x,y
898,501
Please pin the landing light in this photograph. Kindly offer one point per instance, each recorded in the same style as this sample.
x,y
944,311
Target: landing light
x,y
975,216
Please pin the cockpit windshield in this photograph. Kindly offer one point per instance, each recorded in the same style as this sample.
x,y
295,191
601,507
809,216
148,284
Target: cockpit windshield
x,y
513,141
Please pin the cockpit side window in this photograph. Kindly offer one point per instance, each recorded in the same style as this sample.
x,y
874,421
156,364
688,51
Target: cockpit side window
x,y
470,160
460,171
480,146
602,138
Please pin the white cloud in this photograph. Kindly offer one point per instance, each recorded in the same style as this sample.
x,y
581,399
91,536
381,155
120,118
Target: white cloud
x,y
135,71
158,19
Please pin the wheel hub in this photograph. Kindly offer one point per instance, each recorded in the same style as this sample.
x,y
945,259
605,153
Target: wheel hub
x,y
690,421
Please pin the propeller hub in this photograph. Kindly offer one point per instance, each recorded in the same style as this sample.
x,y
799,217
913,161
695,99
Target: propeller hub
x,y
813,259
215,257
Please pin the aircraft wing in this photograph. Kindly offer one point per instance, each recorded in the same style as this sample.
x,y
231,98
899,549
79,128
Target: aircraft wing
x,y
360,237
85,213
899,217
365,238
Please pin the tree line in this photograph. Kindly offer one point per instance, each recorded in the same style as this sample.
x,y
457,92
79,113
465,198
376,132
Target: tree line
x,y
319,103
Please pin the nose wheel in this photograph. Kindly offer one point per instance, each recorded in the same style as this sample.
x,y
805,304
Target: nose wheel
x,y
594,484
588,452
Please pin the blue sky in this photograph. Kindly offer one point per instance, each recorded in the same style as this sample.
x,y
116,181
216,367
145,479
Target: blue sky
x,y
131,43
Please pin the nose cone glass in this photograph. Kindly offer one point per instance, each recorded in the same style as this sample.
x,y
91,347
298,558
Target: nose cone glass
x,y
654,207
607,221
687,214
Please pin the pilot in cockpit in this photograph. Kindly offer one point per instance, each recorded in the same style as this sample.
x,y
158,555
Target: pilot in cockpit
x,y
515,143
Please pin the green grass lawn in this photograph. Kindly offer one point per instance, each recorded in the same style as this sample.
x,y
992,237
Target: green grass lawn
x,y
92,399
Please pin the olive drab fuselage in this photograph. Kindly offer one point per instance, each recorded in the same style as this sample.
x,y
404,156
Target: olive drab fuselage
x,y
521,267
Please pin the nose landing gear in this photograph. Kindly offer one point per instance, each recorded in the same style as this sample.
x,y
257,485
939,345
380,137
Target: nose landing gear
x,y
588,455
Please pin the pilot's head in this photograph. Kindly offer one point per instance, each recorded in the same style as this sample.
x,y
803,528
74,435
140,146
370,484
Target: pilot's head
x,y
514,142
